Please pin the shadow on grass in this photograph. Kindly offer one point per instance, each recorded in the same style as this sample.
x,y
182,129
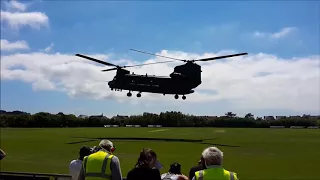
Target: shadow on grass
x,y
130,139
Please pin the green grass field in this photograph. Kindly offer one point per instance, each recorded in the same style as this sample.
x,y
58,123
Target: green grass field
x,y
252,153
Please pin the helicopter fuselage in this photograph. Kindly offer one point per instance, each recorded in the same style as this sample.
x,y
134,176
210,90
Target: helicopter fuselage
x,y
152,84
180,82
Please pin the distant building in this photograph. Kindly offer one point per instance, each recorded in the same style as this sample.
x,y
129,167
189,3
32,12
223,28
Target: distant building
x,y
281,117
268,118
119,117
98,116
294,117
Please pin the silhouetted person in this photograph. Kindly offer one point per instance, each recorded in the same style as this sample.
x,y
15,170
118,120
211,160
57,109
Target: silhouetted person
x,y
194,169
147,167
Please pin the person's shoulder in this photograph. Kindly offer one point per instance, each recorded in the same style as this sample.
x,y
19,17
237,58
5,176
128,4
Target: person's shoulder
x,y
181,177
155,170
132,172
163,175
75,161
114,156
196,168
115,159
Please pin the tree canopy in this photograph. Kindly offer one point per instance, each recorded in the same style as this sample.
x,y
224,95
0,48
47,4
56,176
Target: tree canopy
x,y
166,119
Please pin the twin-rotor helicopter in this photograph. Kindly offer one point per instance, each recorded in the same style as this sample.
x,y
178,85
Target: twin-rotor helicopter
x,y
182,81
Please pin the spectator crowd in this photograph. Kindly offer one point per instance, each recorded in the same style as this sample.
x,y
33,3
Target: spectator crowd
x,y
100,162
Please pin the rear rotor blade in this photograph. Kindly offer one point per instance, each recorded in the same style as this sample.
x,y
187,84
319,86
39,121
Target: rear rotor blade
x,y
221,57
109,69
158,55
149,64
96,60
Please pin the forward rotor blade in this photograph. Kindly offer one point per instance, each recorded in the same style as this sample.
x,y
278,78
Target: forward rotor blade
x,y
96,60
109,69
158,55
221,57
149,64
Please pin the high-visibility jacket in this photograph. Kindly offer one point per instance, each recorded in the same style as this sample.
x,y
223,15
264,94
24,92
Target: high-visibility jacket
x,y
97,166
216,173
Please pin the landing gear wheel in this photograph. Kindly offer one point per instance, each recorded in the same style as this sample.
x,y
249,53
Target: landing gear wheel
x,y
129,94
184,97
139,95
176,96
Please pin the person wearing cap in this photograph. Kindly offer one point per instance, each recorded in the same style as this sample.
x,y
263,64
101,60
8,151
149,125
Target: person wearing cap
x,y
75,165
101,165
213,158
147,168
174,173
194,169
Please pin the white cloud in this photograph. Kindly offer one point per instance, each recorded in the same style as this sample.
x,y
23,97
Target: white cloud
x,y
16,20
15,5
11,46
276,35
291,84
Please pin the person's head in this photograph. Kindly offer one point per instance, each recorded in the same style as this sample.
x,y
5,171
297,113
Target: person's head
x,y
84,151
107,145
212,156
175,168
148,159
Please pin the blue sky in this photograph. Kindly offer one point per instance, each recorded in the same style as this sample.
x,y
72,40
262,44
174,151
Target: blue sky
x,y
103,27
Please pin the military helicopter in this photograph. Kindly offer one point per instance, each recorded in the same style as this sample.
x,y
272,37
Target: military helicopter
x,y
181,81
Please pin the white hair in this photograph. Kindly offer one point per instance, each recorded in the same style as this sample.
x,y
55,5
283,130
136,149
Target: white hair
x,y
106,144
212,156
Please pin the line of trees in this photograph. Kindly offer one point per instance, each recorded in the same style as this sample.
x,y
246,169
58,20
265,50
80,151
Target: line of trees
x,y
166,119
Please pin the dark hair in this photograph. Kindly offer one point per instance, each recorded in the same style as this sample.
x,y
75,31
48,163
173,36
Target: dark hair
x,y
145,158
84,151
175,168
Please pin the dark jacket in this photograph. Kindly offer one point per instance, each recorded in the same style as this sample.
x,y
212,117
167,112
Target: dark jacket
x,y
144,174
194,169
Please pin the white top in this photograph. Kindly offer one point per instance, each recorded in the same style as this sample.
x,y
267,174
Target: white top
x,y
173,177
74,168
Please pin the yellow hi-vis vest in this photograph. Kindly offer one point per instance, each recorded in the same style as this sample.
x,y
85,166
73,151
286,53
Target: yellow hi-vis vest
x,y
216,173
97,166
